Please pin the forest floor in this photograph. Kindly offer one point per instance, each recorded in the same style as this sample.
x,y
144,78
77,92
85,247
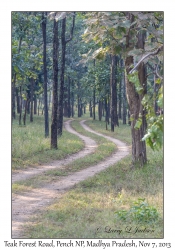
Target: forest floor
x,y
30,202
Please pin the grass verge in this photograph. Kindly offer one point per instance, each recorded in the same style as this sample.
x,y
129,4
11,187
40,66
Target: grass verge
x,y
123,132
31,148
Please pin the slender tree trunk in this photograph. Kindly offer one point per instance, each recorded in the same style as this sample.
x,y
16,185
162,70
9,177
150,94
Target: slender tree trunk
x,y
90,107
155,94
61,90
113,93
72,99
84,109
38,106
14,83
94,104
55,87
13,97
28,106
31,99
50,98
20,114
35,105
46,114
103,109
25,112
120,98
100,110
107,113
65,102
79,106
18,101
124,95
61,93
68,101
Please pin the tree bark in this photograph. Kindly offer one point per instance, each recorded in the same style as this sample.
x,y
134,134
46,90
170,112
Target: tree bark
x,y
35,105
64,41
68,101
135,107
90,108
100,110
124,95
13,97
65,101
94,104
31,98
72,103
120,100
79,105
46,114
20,103
113,93
25,112
55,87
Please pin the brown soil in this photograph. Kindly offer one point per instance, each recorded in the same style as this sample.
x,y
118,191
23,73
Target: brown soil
x,y
29,203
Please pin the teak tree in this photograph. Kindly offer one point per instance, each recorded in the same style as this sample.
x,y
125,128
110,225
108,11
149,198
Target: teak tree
x,y
55,87
64,41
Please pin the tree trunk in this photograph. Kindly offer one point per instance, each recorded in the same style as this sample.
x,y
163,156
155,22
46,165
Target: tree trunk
x,y
28,107
113,93
18,101
79,106
124,95
72,100
103,109
100,110
61,90
13,97
20,114
31,99
14,82
25,112
55,87
94,104
120,99
35,105
84,109
46,114
38,106
155,94
65,102
61,93
135,107
68,101
90,107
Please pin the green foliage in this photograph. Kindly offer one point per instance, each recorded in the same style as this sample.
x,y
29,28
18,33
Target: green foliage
x,y
135,80
154,135
140,212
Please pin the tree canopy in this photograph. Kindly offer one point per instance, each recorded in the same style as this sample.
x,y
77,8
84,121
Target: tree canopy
x,y
110,59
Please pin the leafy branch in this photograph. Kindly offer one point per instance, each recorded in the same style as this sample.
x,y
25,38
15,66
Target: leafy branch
x,y
146,56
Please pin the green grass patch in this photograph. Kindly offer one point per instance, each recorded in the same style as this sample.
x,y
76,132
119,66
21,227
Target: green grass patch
x,y
31,148
123,132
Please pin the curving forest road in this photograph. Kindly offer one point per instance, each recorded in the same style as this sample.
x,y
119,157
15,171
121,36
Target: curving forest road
x,y
26,204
